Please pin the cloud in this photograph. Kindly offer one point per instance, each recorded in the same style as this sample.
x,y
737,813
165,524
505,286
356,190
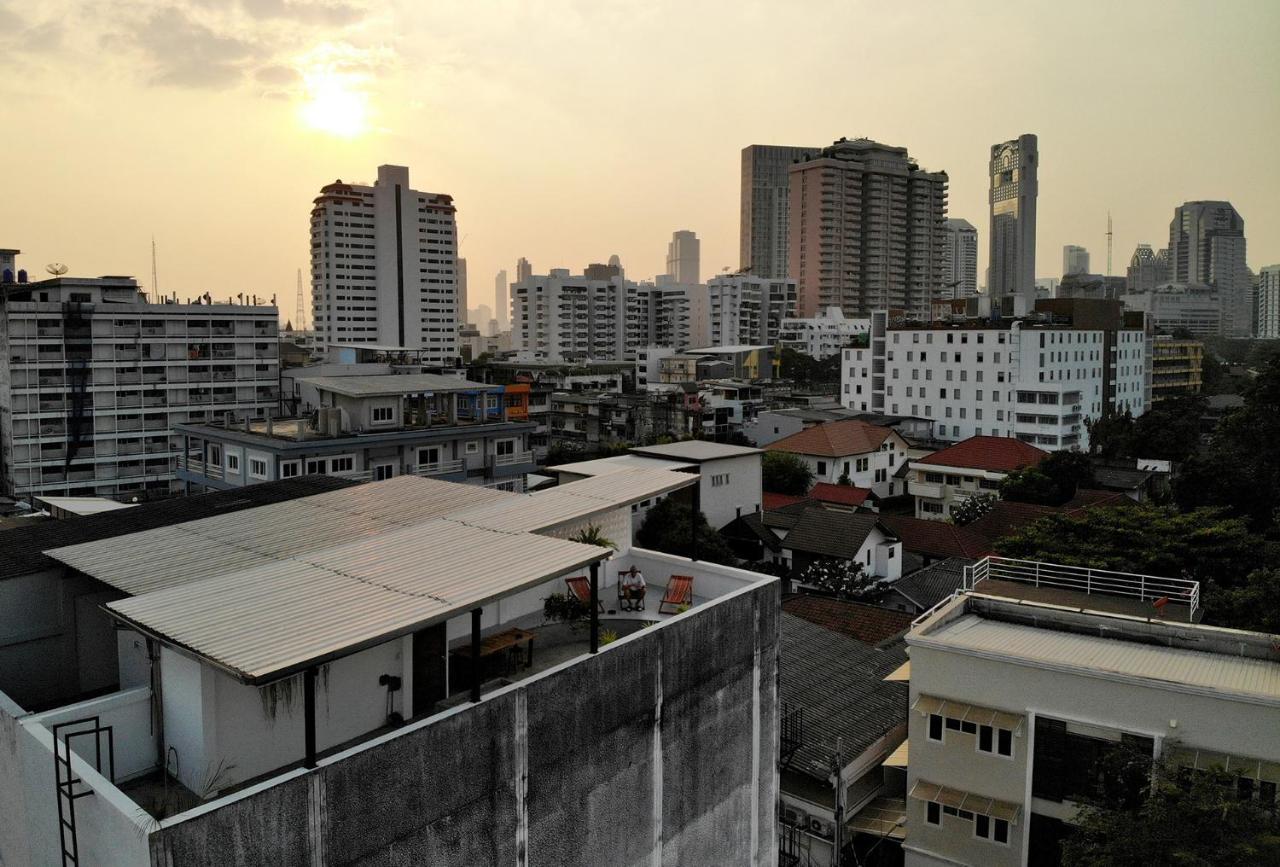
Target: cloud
x,y
320,13
276,74
19,36
184,52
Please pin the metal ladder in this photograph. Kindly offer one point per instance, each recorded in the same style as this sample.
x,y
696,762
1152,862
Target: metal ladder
x,y
65,779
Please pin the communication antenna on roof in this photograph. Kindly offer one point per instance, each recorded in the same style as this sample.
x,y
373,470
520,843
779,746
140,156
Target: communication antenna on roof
x,y
155,281
57,269
1108,244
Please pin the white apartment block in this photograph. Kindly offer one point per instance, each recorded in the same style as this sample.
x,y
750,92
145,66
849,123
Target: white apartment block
x,y
1010,712
823,335
746,309
95,378
384,266
1027,379
1268,302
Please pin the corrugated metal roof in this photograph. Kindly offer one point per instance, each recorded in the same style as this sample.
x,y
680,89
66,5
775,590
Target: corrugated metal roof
x,y
1174,667
273,620
192,551
617,463
393,383
695,450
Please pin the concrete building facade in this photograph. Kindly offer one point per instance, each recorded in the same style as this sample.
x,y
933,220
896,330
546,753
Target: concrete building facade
x,y
1031,378
1075,260
1196,308
867,230
1014,171
1207,247
763,227
960,261
684,258
95,379
1176,367
1268,305
384,266
823,335
747,309
1147,269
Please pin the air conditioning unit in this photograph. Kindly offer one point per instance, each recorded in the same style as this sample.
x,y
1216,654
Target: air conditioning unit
x,y
820,827
792,816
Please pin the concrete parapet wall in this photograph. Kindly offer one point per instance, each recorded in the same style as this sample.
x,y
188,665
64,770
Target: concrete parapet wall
x,y
661,749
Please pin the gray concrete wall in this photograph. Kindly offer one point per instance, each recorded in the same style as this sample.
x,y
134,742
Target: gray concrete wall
x,y
661,749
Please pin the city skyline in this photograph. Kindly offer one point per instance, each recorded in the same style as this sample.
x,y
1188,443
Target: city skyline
x,y
323,91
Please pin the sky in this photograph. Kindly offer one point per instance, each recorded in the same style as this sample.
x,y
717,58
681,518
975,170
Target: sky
x,y
570,130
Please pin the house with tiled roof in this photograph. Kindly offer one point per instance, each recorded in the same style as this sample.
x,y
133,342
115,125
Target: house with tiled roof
x,y
870,624
936,540
797,535
867,454
942,480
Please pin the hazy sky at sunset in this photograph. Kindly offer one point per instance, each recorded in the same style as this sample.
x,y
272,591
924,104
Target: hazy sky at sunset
x,y
567,131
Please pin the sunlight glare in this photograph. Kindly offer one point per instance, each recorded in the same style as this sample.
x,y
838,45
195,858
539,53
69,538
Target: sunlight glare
x,y
335,101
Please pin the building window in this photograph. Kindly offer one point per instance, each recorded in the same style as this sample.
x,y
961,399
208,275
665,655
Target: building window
x,y
473,448
383,414
343,464
257,468
822,468
935,727
995,830
933,813
290,469
233,462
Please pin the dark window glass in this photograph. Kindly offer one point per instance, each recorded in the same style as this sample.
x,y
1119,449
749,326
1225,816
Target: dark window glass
x,y
953,724
1005,742
1002,831
935,727
984,739
984,826
933,813
969,728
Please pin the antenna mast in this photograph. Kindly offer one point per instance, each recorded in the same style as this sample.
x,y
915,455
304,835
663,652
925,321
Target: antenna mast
x,y
155,282
297,318
1108,244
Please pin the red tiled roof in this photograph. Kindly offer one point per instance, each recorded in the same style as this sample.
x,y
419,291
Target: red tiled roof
x,y
834,439
1007,517
937,538
866,623
995,454
844,495
770,501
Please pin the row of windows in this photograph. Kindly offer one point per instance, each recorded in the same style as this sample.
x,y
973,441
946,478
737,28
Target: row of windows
x,y
984,827
991,739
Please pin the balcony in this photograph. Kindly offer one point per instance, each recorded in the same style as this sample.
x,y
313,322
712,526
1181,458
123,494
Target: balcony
x,y
439,468
513,459
928,490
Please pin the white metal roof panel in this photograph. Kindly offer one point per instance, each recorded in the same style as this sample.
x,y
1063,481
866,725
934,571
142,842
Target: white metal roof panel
x,y
373,385
1175,667
695,450
279,617
84,505
182,553
617,463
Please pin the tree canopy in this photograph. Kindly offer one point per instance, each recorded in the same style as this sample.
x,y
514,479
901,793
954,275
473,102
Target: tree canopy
x,y
785,473
806,370
1050,483
666,528
1169,430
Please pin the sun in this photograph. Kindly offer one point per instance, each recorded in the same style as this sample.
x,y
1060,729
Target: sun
x,y
335,100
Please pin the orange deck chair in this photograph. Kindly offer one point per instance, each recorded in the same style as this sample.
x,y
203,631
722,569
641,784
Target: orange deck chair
x,y
679,592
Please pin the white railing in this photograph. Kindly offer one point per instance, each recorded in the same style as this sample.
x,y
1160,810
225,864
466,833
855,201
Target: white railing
x,y
195,465
355,475
513,459
439,468
1105,582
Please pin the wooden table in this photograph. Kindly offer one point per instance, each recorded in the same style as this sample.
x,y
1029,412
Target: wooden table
x,y
499,642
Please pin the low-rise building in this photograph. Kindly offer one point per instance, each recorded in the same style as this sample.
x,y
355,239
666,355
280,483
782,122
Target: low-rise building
x,y
867,455
823,335
1195,308
942,480
1013,700
1175,367
800,535
369,427
730,474
335,680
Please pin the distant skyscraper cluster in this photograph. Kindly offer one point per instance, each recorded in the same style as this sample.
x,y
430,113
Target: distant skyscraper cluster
x,y
867,230
763,228
1014,172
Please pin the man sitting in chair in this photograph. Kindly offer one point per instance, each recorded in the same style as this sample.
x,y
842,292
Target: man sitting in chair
x,y
632,583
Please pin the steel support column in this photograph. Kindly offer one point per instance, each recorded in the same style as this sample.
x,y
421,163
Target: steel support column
x,y
595,607
309,715
475,653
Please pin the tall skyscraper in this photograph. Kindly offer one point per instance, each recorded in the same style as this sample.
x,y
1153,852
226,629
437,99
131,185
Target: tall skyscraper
x,y
1207,246
502,307
762,240
959,260
1075,260
460,271
1147,269
1268,326
867,231
684,255
1014,187
524,270
382,266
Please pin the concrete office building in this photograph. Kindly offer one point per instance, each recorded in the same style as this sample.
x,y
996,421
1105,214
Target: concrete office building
x,y
1037,378
398,726
565,317
1013,702
744,308
824,335
867,230
1268,317
383,266
460,269
1176,367
1075,260
501,301
763,228
959,261
1207,247
1147,269
1011,267
684,258
1196,308
95,378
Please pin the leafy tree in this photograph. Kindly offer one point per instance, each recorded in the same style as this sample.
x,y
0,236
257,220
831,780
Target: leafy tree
x,y
785,473
969,510
1112,436
1030,485
1052,482
1201,545
666,528
1169,430
806,370
1147,814
844,578
1240,469
845,480
1255,604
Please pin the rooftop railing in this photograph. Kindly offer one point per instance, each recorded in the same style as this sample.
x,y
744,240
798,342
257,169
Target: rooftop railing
x,y
1081,579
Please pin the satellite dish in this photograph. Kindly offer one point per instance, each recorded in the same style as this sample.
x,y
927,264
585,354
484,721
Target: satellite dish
x,y
57,269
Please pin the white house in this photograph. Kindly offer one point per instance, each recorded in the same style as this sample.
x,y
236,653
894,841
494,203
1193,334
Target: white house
x,y
978,465
868,454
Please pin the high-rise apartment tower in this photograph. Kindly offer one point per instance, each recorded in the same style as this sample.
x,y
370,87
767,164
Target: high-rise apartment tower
x,y
960,260
763,229
684,255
